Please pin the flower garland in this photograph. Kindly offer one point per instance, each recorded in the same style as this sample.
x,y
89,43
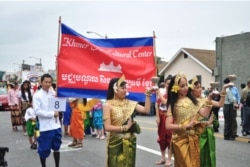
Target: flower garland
x,y
175,88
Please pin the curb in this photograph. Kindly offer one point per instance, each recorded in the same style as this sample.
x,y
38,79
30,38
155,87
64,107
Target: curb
x,y
240,139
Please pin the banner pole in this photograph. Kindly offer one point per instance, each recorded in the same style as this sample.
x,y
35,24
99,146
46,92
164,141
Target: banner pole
x,y
155,57
58,48
155,79
59,32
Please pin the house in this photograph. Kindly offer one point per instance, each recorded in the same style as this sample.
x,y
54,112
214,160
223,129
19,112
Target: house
x,y
192,62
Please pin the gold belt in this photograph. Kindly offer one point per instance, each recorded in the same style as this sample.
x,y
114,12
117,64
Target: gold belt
x,y
189,132
124,135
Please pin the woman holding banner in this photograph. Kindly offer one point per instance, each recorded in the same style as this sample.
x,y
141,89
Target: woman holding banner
x,y
118,120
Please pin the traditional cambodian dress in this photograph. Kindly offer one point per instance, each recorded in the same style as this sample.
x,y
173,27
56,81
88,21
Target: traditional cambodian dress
x,y
76,122
207,145
98,115
24,104
16,115
164,135
121,147
185,143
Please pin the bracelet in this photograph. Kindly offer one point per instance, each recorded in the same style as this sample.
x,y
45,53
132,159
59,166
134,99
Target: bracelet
x,y
148,94
223,94
124,128
208,105
181,127
207,102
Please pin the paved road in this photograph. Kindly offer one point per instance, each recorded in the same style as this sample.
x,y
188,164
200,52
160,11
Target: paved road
x,y
93,154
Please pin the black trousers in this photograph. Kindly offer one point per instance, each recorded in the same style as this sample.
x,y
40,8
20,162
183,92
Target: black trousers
x,y
228,110
246,119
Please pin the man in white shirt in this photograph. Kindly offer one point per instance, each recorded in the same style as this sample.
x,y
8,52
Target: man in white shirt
x,y
49,124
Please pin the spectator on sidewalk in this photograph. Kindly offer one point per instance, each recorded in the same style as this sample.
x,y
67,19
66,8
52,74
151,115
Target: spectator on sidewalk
x,y
236,106
246,113
242,85
229,113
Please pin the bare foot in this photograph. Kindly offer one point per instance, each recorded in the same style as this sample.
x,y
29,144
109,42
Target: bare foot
x,y
160,162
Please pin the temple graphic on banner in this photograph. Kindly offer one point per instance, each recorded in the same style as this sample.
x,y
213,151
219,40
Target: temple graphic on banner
x,y
110,67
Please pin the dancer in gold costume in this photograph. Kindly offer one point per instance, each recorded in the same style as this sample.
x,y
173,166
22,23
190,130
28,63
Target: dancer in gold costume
x,y
207,139
183,116
118,120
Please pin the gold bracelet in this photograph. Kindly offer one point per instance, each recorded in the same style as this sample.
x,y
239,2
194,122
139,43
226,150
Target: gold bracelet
x,y
210,106
105,118
148,94
207,102
183,127
124,128
223,93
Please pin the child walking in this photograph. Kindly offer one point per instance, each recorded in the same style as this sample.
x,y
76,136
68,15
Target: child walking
x,y
98,119
30,118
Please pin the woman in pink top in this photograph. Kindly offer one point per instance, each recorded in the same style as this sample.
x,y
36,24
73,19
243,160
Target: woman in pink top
x,y
16,116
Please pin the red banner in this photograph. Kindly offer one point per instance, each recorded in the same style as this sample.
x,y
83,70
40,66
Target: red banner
x,y
85,66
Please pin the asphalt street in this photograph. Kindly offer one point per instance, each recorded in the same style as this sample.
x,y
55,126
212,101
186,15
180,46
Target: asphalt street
x,y
93,153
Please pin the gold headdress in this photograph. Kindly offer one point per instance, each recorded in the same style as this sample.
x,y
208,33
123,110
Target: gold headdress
x,y
121,79
118,83
175,87
195,79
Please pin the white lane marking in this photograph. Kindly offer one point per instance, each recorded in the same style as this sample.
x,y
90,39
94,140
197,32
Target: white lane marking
x,y
65,147
150,150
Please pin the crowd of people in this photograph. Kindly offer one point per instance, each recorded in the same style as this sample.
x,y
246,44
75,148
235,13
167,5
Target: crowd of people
x,y
186,119
30,110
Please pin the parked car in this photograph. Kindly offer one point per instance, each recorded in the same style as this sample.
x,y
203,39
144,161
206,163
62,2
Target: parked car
x,y
4,106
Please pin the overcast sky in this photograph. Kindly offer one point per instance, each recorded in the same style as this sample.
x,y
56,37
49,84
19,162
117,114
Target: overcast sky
x,y
31,28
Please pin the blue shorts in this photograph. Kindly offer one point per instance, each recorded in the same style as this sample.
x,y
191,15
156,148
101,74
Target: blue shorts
x,y
49,140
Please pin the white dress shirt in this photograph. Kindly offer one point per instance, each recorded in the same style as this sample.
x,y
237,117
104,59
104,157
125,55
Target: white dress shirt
x,y
30,113
46,118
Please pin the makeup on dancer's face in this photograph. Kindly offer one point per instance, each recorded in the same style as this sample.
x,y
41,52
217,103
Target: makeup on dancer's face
x,y
197,90
183,86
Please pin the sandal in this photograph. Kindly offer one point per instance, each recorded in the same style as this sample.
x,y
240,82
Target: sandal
x,y
14,128
78,145
72,144
33,146
168,163
160,162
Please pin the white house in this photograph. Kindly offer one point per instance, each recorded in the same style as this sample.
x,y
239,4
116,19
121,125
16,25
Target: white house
x,y
192,62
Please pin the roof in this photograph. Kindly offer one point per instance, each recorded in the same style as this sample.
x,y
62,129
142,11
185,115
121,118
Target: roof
x,y
161,65
206,58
